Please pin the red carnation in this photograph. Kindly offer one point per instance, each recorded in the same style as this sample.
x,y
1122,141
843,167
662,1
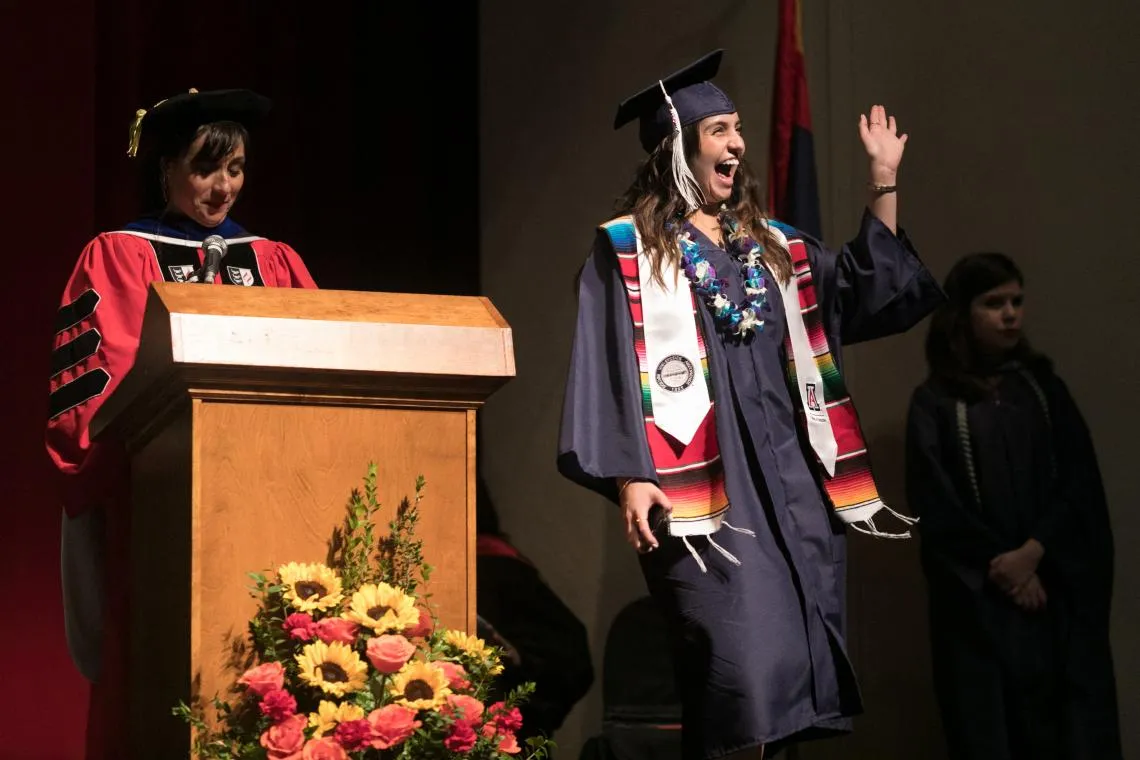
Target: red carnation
x,y
354,735
462,737
278,705
506,721
300,626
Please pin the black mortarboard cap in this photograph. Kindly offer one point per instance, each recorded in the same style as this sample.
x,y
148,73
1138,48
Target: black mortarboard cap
x,y
189,110
694,97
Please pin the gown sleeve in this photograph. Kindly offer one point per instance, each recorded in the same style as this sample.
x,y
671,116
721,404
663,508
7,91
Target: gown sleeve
x,y
875,286
1075,526
97,336
602,434
289,270
952,536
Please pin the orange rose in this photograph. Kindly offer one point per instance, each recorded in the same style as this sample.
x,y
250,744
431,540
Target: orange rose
x,y
461,707
336,629
509,744
388,653
392,725
264,678
324,749
285,740
456,675
421,629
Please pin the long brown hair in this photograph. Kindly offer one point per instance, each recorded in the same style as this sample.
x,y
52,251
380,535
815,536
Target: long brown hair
x,y
655,204
951,350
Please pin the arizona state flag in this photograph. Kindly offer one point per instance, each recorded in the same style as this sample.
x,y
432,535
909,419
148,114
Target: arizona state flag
x,y
793,195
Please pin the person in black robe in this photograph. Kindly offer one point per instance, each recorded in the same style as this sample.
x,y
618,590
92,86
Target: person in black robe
x,y
756,619
1015,536
543,641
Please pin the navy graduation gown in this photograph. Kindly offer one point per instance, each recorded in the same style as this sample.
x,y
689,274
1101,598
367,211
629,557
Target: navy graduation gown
x,y
760,648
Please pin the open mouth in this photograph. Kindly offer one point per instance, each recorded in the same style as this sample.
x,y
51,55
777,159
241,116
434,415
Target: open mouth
x,y
726,170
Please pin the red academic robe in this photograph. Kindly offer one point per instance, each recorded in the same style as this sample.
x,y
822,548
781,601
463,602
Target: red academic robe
x,y
98,327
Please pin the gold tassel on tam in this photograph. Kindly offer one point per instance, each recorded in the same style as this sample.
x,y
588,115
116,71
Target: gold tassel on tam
x,y
136,125
136,133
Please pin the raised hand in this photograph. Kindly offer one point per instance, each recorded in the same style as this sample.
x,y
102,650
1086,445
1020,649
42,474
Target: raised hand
x,y
883,143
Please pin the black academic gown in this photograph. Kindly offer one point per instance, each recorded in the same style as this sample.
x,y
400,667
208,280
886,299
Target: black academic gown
x,y
1011,683
760,648
550,645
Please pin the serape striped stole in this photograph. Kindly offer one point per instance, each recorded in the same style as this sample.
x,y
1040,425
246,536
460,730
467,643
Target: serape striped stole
x,y
851,489
692,475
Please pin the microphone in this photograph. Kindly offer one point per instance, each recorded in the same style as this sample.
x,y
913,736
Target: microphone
x,y
215,248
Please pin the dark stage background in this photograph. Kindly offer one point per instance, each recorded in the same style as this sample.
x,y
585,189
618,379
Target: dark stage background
x,y
368,167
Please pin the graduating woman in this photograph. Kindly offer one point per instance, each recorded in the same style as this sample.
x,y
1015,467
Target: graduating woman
x,y
193,154
1016,542
706,397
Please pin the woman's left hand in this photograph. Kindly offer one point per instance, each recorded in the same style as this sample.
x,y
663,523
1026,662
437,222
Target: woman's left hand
x,y
883,144
1011,570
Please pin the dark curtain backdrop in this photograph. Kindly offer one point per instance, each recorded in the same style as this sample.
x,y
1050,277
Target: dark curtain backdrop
x,y
368,167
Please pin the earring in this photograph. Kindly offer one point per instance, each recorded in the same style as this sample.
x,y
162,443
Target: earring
x,y
162,184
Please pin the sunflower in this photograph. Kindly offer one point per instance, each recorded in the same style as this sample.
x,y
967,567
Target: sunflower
x,y
329,714
420,686
310,587
334,667
383,608
470,645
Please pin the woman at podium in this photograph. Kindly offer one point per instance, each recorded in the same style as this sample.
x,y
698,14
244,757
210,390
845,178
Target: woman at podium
x,y
706,398
192,151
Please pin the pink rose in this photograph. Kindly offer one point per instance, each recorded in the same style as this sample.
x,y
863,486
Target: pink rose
x,y
456,675
300,625
509,744
391,725
354,735
264,678
285,740
337,629
278,705
505,720
389,653
324,749
461,739
423,628
461,707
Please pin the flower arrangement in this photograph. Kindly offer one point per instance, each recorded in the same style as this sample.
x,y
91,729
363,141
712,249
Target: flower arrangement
x,y
347,662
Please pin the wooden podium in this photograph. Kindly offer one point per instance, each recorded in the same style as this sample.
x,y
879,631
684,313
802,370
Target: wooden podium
x,y
250,415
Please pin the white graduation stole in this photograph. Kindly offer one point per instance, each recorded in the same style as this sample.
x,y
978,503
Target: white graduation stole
x,y
809,381
677,387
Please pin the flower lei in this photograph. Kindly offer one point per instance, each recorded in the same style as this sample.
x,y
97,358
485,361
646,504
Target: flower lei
x,y
731,317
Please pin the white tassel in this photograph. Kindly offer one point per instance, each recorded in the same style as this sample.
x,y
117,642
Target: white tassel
x,y
682,175
876,532
745,531
724,552
697,557
905,518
